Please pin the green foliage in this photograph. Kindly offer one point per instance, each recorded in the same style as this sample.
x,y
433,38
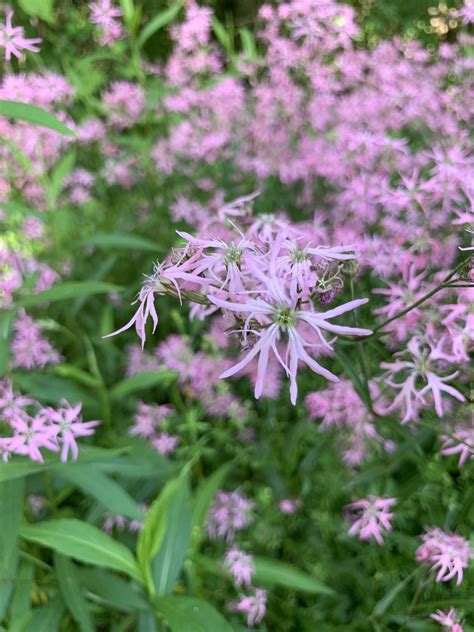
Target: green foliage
x,y
33,114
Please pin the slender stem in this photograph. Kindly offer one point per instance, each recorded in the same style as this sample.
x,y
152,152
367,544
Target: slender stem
x,y
441,286
362,360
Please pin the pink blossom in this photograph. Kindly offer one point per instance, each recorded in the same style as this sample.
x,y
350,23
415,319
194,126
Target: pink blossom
x,y
229,512
449,620
13,40
424,361
289,505
253,606
447,553
240,565
374,517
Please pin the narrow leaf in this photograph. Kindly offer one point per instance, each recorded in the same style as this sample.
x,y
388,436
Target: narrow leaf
x,y
11,510
42,9
33,114
47,618
140,381
122,241
204,496
60,173
154,530
68,290
192,615
168,562
273,572
114,591
158,22
71,591
20,609
109,493
83,542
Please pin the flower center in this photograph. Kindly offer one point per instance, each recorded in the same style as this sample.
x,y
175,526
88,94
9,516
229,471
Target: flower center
x,y
285,317
232,255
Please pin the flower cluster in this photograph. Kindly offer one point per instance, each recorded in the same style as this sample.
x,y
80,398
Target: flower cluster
x,y
448,554
32,427
104,14
340,407
269,284
449,620
29,349
230,512
150,423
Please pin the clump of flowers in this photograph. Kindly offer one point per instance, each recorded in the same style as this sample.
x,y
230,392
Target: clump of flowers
x,y
230,512
266,282
339,406
240,565
104,14
448,554
32,427
124,102
150,422
373,517
29,348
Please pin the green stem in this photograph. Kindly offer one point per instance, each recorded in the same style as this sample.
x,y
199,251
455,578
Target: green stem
x,y
362,359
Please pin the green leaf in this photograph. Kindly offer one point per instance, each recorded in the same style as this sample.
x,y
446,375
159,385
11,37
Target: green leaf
x,y
11,511
248,43
383,605
114,591
68,290
47,387
352,373
154,530
33,114
168,562
42,9
222,35
109,493
83,542
142,461
272,572
6,324
71,591
141,381
204,496
122,241
192,615
16,207
47,618
62,169
18,467
158,22
20,609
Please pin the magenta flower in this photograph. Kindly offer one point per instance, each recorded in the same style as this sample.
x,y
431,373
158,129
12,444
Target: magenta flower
x,y
229,512
13,40
460,441
447,553
68,423
31,434
424,361
374,517
253,606
449,620
240,565
280,315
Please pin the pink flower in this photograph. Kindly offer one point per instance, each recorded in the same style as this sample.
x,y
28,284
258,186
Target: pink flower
x,y
240,565
289,505
278,315
12,39
448,554
229,512
374,517
460,441
449,620
69,425
165,443
29,349
424,360
254,606
31,434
